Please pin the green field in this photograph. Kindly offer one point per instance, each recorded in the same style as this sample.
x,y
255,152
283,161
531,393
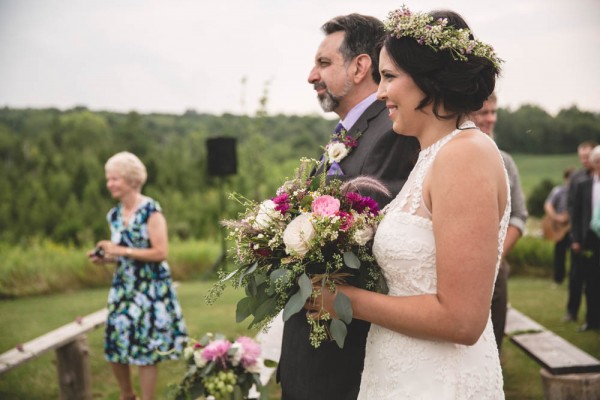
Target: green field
x,y
534,168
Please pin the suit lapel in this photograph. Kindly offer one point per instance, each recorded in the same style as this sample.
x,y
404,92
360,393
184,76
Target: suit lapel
x,y
362,124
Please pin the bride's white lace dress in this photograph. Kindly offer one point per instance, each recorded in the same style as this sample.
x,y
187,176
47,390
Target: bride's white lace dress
x,y
403,367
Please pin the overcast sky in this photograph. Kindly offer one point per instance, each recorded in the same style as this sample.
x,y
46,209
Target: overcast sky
x,y
170,56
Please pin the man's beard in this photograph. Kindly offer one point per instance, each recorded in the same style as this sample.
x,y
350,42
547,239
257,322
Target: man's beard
x,y
329,101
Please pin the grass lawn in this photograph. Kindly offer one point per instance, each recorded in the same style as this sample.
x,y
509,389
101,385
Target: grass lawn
x,y
534,168
27,318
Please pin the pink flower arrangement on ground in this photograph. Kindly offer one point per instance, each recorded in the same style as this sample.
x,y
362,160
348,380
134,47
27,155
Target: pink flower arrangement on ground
x,y
220,368
313,230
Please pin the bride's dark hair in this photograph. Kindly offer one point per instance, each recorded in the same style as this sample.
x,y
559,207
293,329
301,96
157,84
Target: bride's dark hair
x,y
460,86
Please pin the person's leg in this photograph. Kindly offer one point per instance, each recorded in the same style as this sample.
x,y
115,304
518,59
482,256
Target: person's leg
x,y
148,376
123,375
560,253
575,286
592,290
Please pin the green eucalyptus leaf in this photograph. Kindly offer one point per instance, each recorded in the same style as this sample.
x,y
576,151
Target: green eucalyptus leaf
x,y
280,273
298,299
351,260
270,363
230,275
248,271
338,332
293,305
251,287
306,286
265,309
343,307
244,309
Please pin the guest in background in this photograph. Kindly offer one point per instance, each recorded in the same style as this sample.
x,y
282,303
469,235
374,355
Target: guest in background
x,y
485,119
557,224
576,275
145,324
586,244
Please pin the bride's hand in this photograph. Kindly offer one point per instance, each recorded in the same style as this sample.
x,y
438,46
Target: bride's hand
x,y
321,301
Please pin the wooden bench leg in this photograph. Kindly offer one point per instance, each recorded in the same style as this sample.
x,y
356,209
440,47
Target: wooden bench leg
x,y
74,375
570,386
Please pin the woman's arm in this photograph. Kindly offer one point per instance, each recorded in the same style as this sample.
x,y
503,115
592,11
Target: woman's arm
x,y
159,243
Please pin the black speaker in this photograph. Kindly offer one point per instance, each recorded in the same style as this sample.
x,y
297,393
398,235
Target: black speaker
x,y
222,158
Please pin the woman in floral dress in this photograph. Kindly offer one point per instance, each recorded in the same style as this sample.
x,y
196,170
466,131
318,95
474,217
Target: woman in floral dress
x,y
145,324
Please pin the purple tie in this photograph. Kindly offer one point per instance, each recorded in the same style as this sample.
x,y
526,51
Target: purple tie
x,y
338,128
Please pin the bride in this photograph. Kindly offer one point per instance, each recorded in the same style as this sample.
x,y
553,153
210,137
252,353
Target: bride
x,y
440,241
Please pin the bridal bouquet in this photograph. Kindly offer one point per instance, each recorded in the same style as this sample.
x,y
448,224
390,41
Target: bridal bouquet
x,y
312,231
219,369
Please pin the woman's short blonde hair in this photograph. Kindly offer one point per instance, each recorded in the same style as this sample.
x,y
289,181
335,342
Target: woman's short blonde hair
x,y
129,167
595,154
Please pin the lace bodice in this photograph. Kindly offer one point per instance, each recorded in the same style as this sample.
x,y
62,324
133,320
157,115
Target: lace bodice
x,y
403,367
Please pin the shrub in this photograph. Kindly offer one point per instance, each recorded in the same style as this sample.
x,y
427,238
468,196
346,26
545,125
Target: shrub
x,y
531,256
44,267
537,198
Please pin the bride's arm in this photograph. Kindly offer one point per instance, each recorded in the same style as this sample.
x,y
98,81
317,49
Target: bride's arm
x,y
466,191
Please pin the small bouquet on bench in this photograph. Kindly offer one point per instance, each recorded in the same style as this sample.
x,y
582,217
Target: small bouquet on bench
x,y
312,231
219,369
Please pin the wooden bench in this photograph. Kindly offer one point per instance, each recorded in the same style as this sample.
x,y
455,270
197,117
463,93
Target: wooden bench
x,y
567,371
72,355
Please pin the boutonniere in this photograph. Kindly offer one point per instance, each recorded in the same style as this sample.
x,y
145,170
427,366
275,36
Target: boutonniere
x,y
340,145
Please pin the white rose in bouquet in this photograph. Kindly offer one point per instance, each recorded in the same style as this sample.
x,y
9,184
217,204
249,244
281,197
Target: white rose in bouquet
x,y
362,236
298,234
266,214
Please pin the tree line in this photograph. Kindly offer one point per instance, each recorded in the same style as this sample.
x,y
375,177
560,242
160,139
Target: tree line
x,y
52,162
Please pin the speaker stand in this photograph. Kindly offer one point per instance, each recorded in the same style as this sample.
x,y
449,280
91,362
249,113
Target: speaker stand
x,y
221,261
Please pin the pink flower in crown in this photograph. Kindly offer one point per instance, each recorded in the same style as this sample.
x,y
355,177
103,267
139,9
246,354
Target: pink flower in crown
x,y
250,351
216,350
325,206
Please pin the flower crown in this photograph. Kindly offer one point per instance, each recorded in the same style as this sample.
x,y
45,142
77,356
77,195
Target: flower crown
x,y
437,34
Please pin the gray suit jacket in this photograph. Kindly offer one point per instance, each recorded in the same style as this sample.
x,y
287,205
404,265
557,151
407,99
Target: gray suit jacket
x,y
329,372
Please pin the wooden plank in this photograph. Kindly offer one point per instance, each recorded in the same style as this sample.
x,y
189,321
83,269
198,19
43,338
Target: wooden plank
x,y
551,351
556,354
51,340
517,322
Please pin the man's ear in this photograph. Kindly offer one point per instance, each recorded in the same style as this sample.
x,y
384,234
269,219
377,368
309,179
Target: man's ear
x,y
363,68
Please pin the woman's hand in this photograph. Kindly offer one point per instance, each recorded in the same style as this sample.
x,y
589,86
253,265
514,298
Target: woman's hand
x,y
321,301
111,251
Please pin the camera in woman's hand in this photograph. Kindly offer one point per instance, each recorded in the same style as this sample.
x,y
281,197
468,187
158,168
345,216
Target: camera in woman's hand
x,y
98,252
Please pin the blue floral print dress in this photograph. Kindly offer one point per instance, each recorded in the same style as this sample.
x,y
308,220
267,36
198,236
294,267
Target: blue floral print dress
x,y
145,323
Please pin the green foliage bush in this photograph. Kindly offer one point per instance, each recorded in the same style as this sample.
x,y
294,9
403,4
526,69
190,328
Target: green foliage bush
x,y
44,267
531,256
538,196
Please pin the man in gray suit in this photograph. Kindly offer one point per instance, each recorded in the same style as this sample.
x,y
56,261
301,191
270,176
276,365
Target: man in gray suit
x,y
345,76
